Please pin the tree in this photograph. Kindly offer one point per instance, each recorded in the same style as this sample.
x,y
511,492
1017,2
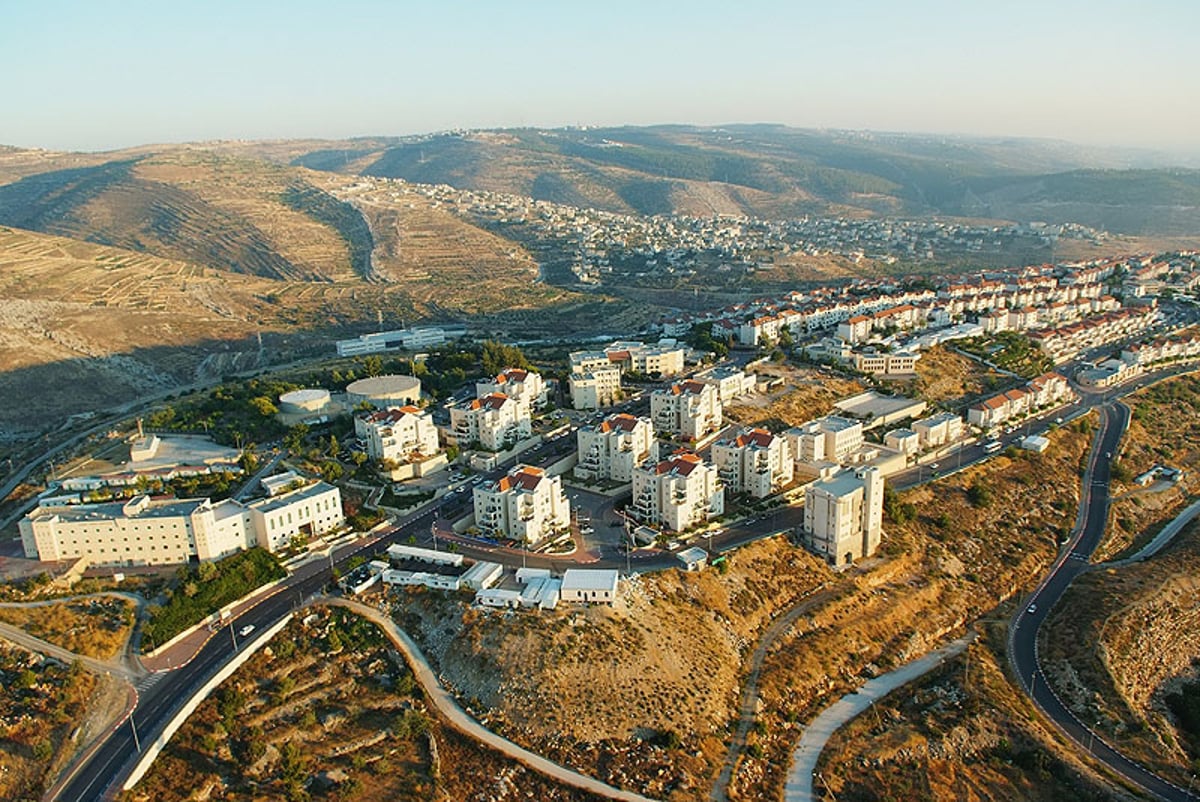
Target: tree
x,y
373,365
334,641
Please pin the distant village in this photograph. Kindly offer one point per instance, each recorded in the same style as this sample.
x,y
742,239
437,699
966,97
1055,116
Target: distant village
x,y
602,248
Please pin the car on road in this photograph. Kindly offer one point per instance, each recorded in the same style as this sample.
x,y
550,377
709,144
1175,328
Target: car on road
x,y
246,630
1031,609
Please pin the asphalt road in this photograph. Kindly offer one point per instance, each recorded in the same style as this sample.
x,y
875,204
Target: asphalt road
x,y
114,759
1073,561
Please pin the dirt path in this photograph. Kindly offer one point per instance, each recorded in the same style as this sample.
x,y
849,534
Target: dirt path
x,y
748,708
458,718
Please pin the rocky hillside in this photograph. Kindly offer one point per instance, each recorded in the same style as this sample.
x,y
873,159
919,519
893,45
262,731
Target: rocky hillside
x,y
644,694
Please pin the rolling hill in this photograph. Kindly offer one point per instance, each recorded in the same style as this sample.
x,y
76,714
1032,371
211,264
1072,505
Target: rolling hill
x,y
777,172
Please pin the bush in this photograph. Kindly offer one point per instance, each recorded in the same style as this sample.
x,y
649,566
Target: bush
x,y
235,576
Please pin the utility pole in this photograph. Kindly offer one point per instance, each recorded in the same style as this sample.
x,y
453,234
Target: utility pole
x,y
232,637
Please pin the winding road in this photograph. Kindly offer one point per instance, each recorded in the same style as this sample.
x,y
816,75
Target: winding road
x,y
1074,560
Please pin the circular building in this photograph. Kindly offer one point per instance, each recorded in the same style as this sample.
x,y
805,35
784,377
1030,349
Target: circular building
x,y
299,402
384,391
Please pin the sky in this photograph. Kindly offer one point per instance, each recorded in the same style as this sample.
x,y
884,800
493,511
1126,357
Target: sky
x,y
107,74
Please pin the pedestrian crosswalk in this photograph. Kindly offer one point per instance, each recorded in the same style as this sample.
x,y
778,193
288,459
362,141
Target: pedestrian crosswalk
x,y
149,681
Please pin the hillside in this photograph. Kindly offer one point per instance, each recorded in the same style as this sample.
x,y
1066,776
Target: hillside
x,y
777,172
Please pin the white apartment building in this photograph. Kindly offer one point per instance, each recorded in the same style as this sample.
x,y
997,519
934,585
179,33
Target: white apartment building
x,y
825,439
906,441
592,389
755,462
676,493
730,382
495,421
843,515
938,430
688,409
523,386
660,359
527,505
145,531
613,448
401,434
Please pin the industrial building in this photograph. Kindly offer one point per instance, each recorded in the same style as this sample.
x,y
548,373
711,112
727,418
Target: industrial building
x,y
381,392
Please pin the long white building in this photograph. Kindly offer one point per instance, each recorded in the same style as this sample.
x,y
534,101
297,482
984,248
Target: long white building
x,y
843,515
495,421
146,531
612,448
527,505
398,433
676,493
688,409
754,462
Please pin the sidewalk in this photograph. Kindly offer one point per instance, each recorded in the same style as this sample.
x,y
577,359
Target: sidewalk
x,y
804,759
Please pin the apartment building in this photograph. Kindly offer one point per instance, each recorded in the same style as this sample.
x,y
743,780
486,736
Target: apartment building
x,y
676,493
843,515
612,448
523,386
730,382
755,462
400,434
1045,391
938,430
527,505
689,409
156,531
661,359
495,422
596,388
829,439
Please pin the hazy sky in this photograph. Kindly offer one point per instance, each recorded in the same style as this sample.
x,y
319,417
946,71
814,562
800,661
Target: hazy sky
x,y
112,73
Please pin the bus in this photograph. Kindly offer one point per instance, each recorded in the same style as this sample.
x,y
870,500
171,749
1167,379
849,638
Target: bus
x,y
992,446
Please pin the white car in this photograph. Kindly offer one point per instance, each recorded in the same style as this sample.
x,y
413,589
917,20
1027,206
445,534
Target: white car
x,y
246,630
